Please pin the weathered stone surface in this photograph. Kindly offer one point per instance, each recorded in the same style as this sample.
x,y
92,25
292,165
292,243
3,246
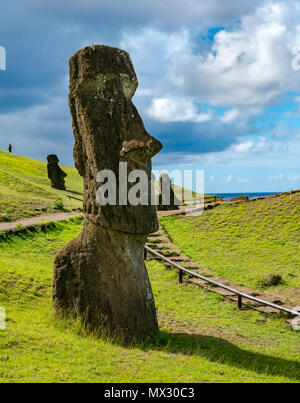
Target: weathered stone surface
x,y
167,199
240,198
55,173
273,279
101,276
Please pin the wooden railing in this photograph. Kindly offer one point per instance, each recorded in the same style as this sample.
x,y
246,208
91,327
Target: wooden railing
x,y
239,294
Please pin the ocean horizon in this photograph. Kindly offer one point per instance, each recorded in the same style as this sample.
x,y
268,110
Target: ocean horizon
x,y
251,195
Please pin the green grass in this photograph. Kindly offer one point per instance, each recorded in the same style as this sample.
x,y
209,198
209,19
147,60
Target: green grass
x,y
187,196
202,338
245,242
25,188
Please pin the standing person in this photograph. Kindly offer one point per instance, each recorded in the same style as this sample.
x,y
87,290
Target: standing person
x,y
10,148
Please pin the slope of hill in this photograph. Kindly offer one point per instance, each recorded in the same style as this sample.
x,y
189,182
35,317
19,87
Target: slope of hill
x,y
202,338
246,242
25,188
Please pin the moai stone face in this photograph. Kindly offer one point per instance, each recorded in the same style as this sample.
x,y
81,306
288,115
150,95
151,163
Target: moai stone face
x,y
108,129
55,173
167,199
101,276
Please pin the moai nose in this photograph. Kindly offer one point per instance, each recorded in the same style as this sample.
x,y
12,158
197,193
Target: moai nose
x,y
141,151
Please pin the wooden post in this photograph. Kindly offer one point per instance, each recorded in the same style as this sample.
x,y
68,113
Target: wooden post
x,y
240,302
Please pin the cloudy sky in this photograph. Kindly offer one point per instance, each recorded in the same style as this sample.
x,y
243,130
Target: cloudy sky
x,y
219,81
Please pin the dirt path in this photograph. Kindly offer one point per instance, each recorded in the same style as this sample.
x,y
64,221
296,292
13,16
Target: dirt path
x,y
187,209
26,222
62,215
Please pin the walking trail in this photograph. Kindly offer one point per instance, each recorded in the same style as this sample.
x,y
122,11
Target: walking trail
x,y
27,222
59,216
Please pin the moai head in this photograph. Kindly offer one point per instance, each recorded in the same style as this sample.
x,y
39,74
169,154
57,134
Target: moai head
x,y
108,130
167,199
52,159
55,173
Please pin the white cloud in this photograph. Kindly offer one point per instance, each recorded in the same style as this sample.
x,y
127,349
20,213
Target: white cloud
x,y
243,147
153,52
276,177
294,177
246,68
176,110
230,116
278,154
261,145
212,178
248,65
229,178
242,180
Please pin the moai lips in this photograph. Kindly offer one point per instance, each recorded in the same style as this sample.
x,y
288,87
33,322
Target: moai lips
x,y
101,275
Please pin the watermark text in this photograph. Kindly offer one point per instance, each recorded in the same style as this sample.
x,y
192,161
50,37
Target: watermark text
x,y
139,188
2,319
2,58
296,320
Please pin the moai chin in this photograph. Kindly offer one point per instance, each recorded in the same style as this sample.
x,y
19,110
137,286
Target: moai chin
x,y
101,276
55,173
167,199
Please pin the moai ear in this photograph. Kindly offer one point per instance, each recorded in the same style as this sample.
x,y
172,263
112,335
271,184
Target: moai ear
x,y
129,84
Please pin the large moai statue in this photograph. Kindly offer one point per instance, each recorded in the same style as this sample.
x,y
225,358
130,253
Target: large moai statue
x,y
101,276
55,173
167,199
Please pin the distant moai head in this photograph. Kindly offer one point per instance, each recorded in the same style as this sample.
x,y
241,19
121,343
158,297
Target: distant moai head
x,y
164,182
52,159
108,130
55,173
167,199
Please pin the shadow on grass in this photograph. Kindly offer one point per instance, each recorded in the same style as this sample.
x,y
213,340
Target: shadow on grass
x,y
218,350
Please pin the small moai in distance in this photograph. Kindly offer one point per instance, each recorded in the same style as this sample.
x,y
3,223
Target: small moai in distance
x,y
167,199
101,275
55,173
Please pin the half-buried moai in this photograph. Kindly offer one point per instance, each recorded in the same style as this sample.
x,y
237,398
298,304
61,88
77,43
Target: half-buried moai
x,y
167,199
101,276
55,173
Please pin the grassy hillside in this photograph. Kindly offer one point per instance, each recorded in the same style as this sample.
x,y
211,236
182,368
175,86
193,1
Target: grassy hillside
x,y
202,338
25,188
190,197
244,242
